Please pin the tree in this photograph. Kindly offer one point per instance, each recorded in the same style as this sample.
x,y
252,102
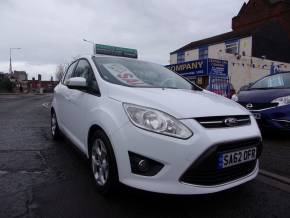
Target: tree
x,y
6,85
59,72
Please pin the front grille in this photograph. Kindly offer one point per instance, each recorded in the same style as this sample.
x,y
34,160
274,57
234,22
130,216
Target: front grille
x,y
224,121
205,170
258,106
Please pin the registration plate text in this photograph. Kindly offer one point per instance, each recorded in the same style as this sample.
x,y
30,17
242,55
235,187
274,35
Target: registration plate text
x,y
236,157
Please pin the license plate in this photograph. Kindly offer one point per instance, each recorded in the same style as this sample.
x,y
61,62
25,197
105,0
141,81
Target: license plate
x,y
257,116
236,157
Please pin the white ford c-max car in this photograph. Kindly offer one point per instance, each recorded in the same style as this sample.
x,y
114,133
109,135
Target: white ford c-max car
x,y
145,126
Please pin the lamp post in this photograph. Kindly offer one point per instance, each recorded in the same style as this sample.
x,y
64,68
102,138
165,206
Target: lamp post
x,y
91,42
10,65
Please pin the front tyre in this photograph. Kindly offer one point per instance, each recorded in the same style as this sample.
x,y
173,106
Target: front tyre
x,y
54,129
103,163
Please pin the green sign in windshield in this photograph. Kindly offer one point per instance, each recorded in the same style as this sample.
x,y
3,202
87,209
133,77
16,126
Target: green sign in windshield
x,y
115,51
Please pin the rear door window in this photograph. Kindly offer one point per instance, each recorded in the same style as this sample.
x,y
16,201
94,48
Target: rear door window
x,y
275,81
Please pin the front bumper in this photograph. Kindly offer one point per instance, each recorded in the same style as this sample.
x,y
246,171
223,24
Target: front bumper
x,y
274,118
176,155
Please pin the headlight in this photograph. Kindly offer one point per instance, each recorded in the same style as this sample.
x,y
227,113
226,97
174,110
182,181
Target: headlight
x,y
282,100
156,121
235,97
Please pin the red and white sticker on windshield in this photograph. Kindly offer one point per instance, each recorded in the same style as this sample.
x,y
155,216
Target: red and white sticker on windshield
x,y
124,75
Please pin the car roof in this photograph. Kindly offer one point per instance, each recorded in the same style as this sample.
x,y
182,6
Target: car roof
x,y
268,76
105,56
88,56
275,74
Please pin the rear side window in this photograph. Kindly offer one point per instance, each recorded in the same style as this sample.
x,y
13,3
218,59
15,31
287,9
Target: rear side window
x,y
69,72
281,80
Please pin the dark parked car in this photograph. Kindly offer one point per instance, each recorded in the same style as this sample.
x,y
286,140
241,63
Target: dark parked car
x,y
245,87
269,101
222,88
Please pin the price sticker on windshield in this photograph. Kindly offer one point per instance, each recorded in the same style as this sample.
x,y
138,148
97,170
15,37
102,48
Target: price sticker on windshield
x,y
124,75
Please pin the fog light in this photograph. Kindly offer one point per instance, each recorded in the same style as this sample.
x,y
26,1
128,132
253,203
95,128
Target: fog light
x,y
143,165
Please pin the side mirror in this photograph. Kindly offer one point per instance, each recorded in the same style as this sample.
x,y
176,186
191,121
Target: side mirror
x,y
79,83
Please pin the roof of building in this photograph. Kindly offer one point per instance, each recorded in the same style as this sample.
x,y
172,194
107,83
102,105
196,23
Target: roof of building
x,y
19,72
216,39
277,1
271,3
235,34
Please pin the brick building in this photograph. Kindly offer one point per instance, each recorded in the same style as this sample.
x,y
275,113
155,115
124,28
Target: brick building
x,y
19,75
259,40
269,24
35,85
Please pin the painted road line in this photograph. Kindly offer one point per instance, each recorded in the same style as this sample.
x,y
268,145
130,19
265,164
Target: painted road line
x,y
271,175
273,182
46,105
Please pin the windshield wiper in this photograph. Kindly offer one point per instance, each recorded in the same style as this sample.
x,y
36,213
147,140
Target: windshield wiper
x,y
268,88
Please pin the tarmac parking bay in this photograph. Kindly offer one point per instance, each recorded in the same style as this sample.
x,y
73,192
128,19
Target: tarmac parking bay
x,y
43,178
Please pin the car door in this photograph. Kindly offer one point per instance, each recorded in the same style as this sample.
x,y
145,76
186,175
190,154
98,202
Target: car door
x,y
61,95
77,107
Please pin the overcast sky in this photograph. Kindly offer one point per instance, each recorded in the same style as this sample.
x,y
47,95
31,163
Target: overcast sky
x,y
50,32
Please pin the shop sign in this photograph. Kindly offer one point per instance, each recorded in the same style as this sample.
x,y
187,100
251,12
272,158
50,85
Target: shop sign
x,y
190,68
217,67
115,51
201,67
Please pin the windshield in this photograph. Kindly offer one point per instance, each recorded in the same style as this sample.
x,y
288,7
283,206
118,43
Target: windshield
x,y
278,81
135,73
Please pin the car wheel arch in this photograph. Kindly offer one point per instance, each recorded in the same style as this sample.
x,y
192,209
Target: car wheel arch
x,y
91,131
53,110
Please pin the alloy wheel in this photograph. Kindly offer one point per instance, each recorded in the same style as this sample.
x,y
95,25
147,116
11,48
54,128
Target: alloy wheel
x,y
100,163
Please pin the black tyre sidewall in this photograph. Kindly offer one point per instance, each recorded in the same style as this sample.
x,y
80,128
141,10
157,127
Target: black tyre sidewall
x,y
56,136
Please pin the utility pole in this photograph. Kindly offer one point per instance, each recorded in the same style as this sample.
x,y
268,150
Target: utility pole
x,y
91,42
10,64
10,61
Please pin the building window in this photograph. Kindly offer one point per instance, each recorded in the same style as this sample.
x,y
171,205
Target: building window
x,y
180,57
203,53
232,47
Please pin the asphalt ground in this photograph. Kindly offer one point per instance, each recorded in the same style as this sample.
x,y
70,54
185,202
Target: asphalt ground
x,y
43,178
276,153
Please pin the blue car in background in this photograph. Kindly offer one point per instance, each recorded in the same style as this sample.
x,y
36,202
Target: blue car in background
x,y
269,101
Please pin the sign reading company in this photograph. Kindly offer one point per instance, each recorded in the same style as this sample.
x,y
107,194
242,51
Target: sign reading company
x,y
201,67
189,68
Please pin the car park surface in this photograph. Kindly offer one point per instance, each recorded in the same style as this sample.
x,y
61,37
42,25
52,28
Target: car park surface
x,y
51,179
